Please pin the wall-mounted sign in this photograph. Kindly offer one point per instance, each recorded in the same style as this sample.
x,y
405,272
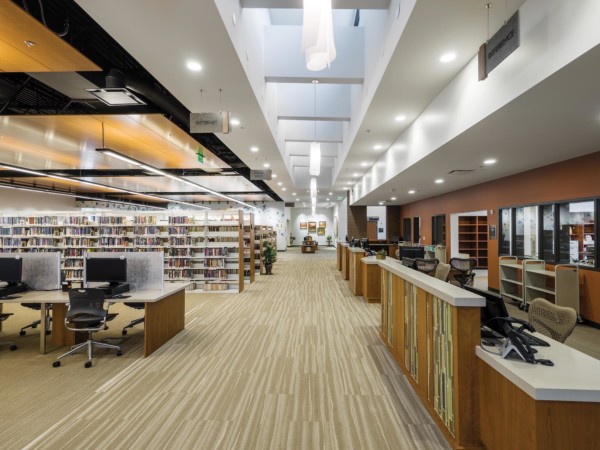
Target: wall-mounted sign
x,y
209,122
260,175
506,40
373,218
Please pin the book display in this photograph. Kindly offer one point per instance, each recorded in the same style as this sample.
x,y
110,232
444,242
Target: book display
x,y
213,249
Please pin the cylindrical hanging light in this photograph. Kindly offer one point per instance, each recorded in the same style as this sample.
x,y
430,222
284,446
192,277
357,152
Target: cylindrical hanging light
x,y
314,165
317,34
313,188
313,204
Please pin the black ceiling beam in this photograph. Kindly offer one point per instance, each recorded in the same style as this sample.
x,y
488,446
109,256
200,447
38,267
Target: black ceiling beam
x,y
80,173
202,193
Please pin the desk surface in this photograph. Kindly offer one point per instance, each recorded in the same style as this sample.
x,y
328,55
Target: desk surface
x,y
58,296
573,378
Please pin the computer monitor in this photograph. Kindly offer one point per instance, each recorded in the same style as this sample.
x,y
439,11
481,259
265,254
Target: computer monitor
x,y
106,270
11,270
411,252
494,307
364,243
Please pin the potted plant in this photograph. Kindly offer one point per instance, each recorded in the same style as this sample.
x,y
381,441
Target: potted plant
x,y
381,254
269,256
329,240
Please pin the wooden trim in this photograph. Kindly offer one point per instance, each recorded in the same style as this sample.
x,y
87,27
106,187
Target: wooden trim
x,y
371,282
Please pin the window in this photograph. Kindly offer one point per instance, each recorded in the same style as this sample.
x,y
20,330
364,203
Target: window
x,y
438,230
548,212
505,231
526,234
577,233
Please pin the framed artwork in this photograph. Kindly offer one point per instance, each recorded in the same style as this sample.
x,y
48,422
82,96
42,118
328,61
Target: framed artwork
x,y
322,224
303,225
492,231
321,231
312,227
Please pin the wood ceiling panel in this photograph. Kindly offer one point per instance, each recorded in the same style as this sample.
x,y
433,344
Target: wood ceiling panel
x,y
49,54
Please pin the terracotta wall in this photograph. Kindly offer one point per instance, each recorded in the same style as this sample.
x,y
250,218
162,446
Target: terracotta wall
x,y
573,179
393,222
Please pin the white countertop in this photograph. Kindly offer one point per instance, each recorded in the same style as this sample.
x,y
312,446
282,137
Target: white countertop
x,y
575,376
143,295
454,295
373,259
356,249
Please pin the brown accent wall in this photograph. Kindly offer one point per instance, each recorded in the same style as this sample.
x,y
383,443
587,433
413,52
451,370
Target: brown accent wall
x,y
357,221
393,222
567,180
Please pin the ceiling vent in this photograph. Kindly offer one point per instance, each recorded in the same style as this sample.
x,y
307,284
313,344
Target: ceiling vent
x,y
461,171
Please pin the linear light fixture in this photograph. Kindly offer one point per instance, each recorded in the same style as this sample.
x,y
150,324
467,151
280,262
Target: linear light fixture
x,y
93,184
152,169
317,34
314,164
313,188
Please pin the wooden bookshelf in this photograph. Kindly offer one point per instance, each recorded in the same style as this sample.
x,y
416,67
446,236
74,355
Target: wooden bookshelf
x,y
473,238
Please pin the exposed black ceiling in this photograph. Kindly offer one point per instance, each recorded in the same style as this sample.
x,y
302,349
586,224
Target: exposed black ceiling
x,y
22,94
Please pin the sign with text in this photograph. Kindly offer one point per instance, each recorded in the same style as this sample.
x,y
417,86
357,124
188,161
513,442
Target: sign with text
x,y
503,43
257,175
209,122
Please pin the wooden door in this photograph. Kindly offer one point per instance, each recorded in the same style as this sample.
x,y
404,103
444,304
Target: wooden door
x,y
372,230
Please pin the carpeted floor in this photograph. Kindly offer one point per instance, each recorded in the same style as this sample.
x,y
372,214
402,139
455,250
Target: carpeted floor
x,y
294,362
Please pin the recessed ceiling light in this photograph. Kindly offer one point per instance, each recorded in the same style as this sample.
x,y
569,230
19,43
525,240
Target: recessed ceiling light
x,y
439,181
284,189
29,43
346,188
279,184
293,193
315,81
274,175
393,198
327,199
412,191
364,164
400,118
266,165
356,174
331,193
349,182
448,57
254,149
235,122
489,162
194,66
297,199
377,147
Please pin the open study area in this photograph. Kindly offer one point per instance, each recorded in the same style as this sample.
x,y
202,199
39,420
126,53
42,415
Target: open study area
x,y
223,226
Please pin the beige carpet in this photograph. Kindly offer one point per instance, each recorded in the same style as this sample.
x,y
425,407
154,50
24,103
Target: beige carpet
x,y
294,362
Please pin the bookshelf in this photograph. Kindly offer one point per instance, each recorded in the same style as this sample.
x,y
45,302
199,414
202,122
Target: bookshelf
x,y
215,250
473,238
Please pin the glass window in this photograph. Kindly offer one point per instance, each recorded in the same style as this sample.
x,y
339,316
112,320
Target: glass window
x,y
438,230
548,233
505,231
577,233
526,231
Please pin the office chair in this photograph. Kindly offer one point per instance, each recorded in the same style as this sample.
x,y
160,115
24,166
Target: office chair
x,y
556,322
11,345
135,321
463,269
86,313
35,323
442,271
426,266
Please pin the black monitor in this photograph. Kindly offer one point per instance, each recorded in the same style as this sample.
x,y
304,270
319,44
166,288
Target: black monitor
x,y
494,307
411,252
106,270
364,243
11,270
394,239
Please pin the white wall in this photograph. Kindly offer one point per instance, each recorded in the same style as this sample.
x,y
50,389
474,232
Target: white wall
x,y
305,215
340,213
15,200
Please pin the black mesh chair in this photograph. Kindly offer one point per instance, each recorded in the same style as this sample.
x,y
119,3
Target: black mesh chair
x,y
426,266
86,313
463,270
134,322
35,323
11,345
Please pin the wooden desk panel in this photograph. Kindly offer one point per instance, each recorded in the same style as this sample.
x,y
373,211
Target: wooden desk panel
x,y
371,282
163,320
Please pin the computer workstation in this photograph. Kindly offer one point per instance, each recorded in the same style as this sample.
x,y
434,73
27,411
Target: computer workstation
x,y
11,271
112,271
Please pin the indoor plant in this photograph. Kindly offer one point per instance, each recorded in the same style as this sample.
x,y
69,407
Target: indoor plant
x,y
269,255
329,239
381,254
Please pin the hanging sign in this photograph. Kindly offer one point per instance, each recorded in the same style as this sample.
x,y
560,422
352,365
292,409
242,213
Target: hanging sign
x,y
506,40
209,122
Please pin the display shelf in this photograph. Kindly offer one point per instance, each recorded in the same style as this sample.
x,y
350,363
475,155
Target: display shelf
x,y
473,238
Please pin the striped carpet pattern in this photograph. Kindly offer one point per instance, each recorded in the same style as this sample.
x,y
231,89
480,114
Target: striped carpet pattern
x,y
293,362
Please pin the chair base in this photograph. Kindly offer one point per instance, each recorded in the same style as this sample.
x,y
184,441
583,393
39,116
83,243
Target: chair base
x,y
132,324
89,345
11,345
35,324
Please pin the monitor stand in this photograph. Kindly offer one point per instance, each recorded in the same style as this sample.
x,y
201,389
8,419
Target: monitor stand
x,y
12,288
112,289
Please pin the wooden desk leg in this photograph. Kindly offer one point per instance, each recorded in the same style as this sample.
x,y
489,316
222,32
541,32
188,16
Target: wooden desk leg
x,y
60,335
163,320
43,307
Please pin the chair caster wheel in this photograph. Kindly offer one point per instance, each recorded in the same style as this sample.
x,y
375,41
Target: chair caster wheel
x,y
56,364
13,348
48,332
119,353
34,326
88,364
124,332
22,333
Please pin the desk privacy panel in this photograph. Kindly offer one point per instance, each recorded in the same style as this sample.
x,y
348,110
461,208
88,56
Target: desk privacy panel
x,y
41,271
145,270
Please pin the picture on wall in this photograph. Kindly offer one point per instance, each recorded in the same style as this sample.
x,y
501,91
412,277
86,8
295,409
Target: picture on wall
x,y
322,224
321,231
312,227
303,225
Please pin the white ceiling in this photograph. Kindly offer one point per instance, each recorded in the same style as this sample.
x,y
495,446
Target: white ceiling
x,y
394,70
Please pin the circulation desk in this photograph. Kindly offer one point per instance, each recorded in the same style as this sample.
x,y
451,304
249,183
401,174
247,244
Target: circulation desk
x,y
355,270
164,314
431,329
371,278
538,407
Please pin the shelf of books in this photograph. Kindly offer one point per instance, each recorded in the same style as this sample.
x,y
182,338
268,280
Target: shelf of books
x,y
211,249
